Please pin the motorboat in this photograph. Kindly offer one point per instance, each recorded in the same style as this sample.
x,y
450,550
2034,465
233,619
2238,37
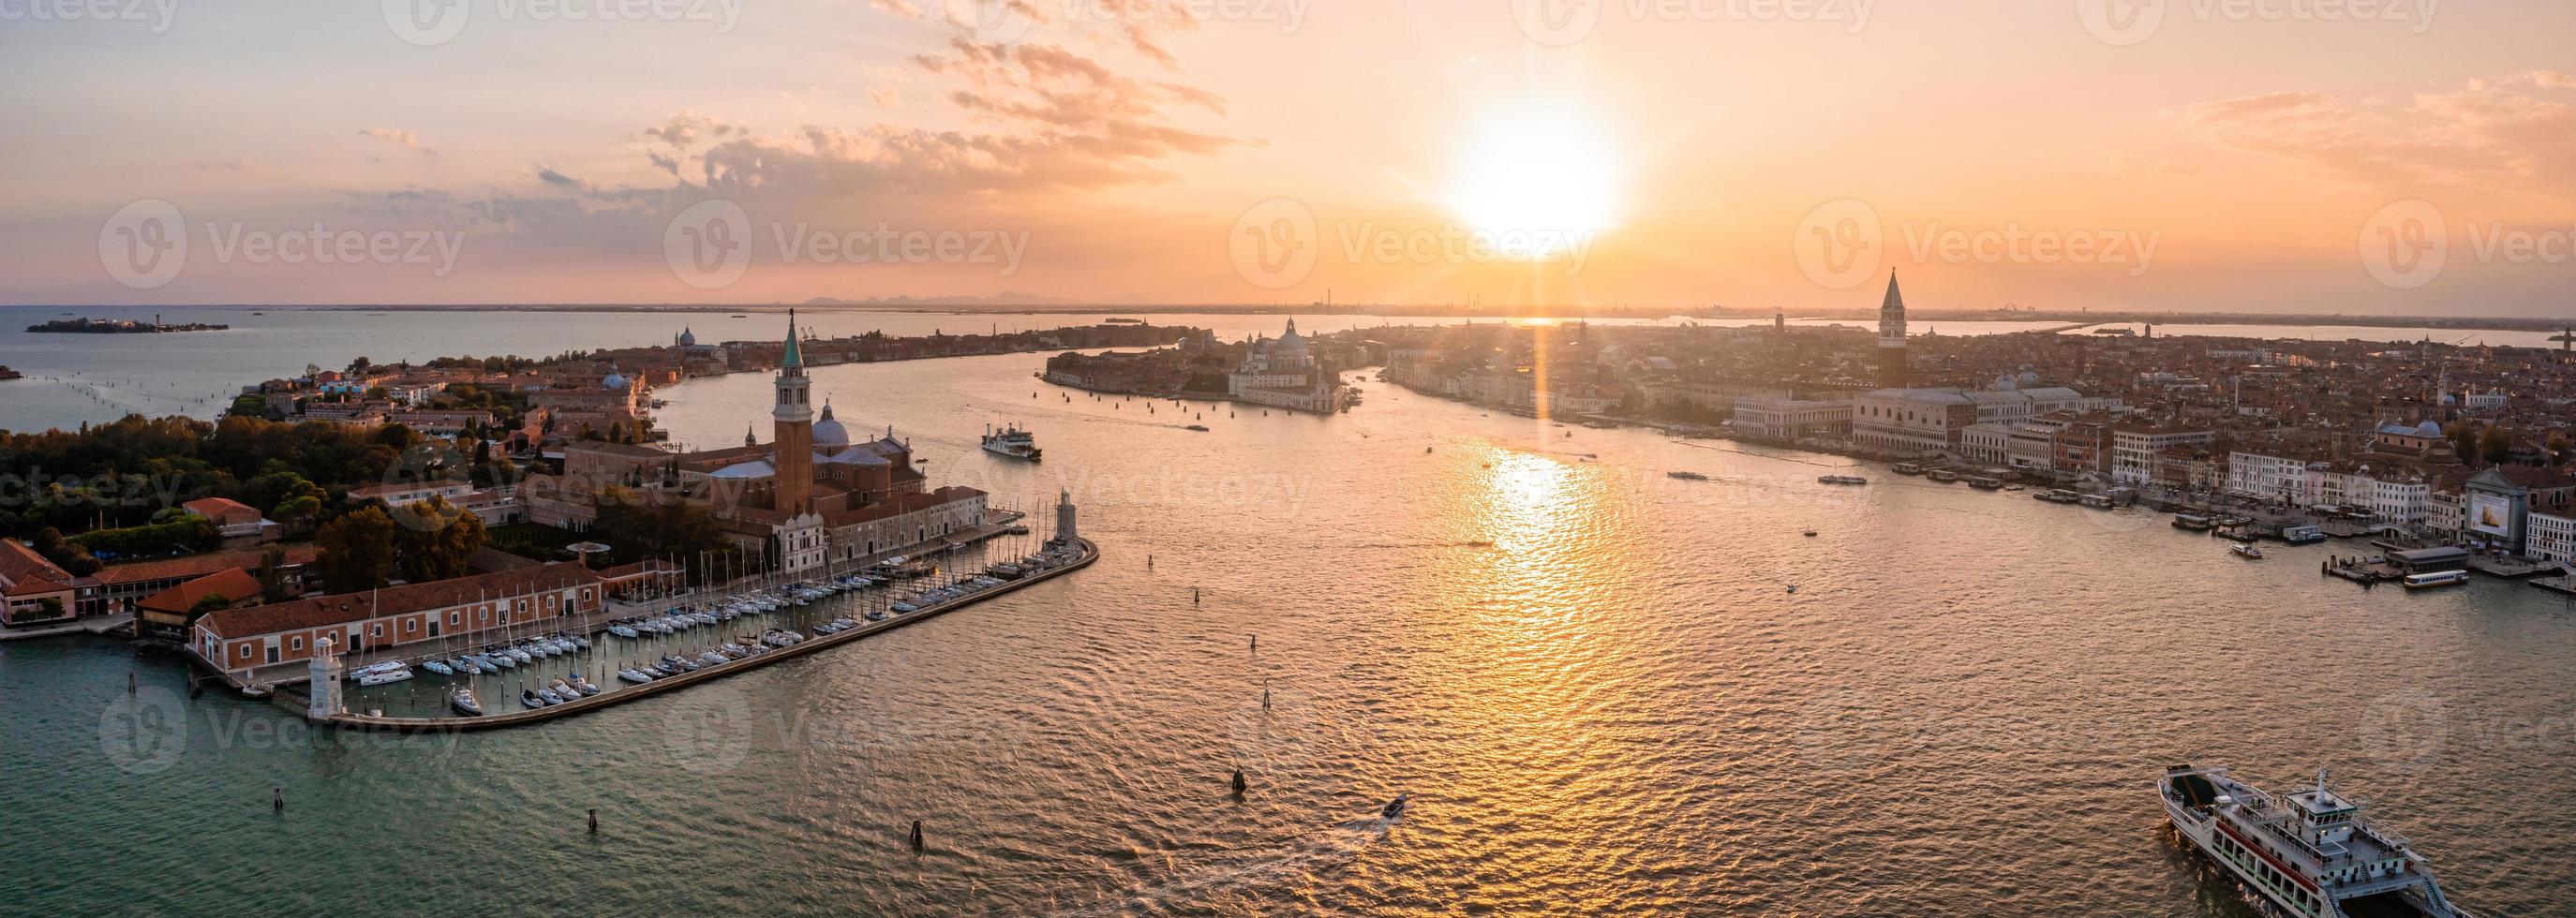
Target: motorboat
x,y
905,607
636,676
875,616
1394,809
384,676
501,660
520,654
578,642
1686,476
1841,480
463,700
531,699
712,658
550,697
466,665
438,667
583,685
622,630
2247,551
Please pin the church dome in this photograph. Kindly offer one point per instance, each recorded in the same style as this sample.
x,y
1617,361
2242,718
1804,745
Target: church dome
x,y
1290,343
829,432
613,382
688,337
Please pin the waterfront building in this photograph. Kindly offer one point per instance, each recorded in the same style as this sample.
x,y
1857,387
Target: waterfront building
x,y
167,615
2552,537
1891,337
1787,419
462,610
2135,446
1285,374
1920,421
33,589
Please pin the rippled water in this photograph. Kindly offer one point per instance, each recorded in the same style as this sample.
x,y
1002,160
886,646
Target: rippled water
x,y
1592,677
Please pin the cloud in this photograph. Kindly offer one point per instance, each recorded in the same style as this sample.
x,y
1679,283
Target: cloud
x,y
886,97
684,130
2512,134
552,177
405,139
901,8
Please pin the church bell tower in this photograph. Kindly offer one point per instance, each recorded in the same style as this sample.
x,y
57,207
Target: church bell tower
x,y
794,418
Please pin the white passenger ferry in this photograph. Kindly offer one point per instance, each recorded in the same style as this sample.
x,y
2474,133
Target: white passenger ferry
x,y
2436,579
1011,441
2313,855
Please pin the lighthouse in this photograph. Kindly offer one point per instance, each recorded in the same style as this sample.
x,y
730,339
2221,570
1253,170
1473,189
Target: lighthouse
x,y
324,688
1064,515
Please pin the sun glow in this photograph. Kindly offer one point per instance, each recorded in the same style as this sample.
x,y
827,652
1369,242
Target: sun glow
x,y
1537,182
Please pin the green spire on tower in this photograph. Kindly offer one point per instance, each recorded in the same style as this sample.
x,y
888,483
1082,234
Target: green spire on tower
x,y
795,355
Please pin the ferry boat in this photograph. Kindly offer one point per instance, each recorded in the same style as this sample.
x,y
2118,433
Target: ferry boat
x,y
1011,441
2192,521
1944,476
1841,480
1986,483
2311,854
2249,552
2436,579
6,373
1908,468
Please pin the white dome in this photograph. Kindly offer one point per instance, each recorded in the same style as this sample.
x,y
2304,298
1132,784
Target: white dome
x,y
828,432
613,382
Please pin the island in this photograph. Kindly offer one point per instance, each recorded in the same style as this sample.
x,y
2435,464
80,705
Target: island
x,y
118,327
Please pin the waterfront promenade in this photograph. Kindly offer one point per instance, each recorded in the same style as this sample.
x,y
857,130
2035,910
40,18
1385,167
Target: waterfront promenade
x,y
1085,552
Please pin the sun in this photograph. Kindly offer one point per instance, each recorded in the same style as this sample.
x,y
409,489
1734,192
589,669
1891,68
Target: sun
x,y
1537,181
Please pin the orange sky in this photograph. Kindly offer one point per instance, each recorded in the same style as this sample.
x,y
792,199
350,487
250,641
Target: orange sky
x,y
2259,155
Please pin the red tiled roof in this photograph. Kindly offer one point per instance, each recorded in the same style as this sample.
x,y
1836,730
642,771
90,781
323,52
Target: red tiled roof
x,y
19,564
320,611
190,567
221,509
233,585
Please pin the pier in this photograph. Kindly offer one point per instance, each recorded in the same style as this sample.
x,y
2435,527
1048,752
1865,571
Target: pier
x,y
1085,552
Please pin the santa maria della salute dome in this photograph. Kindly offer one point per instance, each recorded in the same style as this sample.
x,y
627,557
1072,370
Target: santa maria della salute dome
x,y
1286,374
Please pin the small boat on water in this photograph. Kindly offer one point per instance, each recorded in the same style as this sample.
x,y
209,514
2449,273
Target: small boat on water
x,y
466,665
529,698
1841,480
1686,476
550,697
463,700
2436,579
1394,809
2245,550
438,667
384,676
636,676
1196,427
583,685
621,630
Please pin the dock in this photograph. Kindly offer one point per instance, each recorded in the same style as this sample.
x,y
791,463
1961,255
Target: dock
x,y
1088,553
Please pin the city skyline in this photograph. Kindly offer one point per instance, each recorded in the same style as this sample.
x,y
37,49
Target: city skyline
x,y
2261,158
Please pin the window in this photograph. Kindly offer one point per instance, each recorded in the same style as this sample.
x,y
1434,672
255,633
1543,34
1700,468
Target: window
x,y
295,643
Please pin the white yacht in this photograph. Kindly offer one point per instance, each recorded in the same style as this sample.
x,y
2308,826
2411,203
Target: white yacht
x,y
2311,853
1011,441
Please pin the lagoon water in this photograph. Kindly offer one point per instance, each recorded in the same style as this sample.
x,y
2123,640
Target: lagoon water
x,y
1591,676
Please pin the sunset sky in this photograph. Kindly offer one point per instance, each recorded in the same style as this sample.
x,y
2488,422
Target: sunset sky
x,y
2254,156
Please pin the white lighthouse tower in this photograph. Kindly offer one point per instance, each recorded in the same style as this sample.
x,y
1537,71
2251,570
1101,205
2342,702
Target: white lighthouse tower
x,y
325,685
1064,515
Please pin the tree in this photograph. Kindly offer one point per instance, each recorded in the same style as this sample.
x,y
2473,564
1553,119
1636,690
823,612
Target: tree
x,y
2494,444
436,541
272,573
357,550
